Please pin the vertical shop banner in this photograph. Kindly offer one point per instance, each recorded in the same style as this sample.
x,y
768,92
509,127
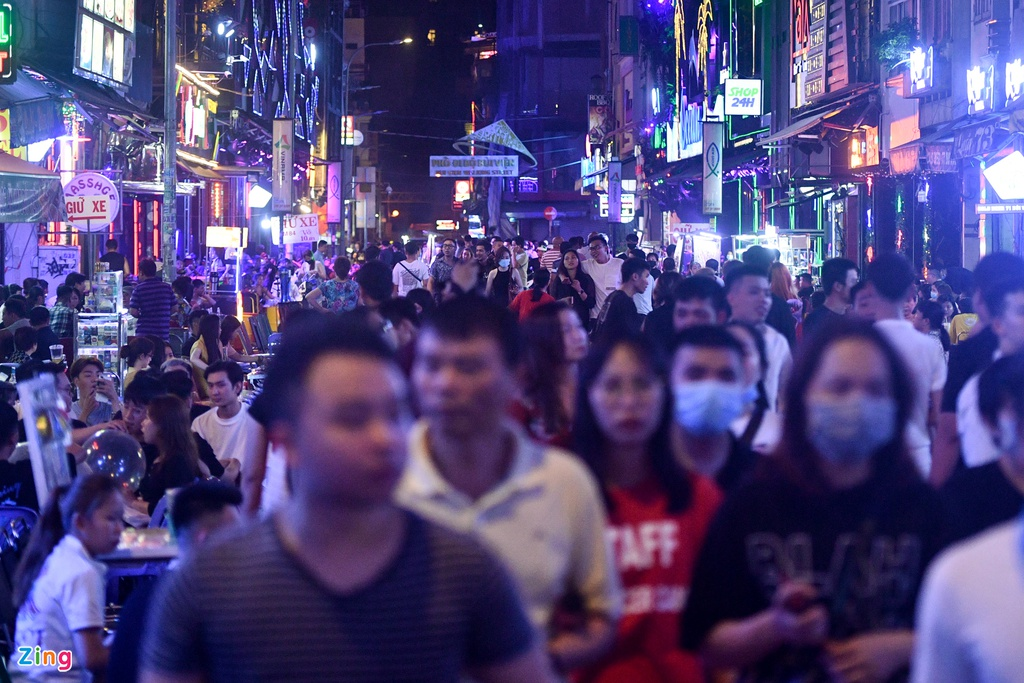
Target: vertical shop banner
x,y
334,192
714,138
284,138
602,120
615,192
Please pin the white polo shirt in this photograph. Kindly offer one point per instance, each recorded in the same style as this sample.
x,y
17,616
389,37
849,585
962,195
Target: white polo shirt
x,y
976,442
68,596
970,615
780,359
546,522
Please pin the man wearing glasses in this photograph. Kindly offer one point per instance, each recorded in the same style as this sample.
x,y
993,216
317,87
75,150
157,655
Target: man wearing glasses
x,y
441,269
604,269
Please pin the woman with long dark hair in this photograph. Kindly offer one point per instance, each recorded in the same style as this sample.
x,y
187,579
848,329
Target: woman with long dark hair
x,y
231,340
59,586
529,300
812,570
207,348
572,285
555,341
168,427
658,513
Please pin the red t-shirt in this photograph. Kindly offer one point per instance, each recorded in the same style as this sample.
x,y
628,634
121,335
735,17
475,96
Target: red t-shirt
x,y
655,552
524,304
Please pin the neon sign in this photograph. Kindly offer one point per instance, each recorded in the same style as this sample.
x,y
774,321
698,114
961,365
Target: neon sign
x,y
922,70
979,89
7,74
686,134
1014,80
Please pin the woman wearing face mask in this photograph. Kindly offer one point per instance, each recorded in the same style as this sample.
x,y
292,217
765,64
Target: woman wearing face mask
x,y
757,428
571,285
658,513
555,343
59,586
503,282
791,584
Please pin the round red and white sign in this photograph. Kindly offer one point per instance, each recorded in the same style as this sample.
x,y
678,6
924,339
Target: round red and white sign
x,y
550,213
92,201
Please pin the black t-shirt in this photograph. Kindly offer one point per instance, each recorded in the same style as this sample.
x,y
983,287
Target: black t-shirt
x,y
819,316
866,557
116,261
781,318
246,609
658,325
45,338
18,485
170,474
967,359
619,316
977,498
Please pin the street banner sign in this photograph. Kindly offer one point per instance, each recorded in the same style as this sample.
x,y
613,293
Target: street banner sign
x,y
485,166
284,139
303,227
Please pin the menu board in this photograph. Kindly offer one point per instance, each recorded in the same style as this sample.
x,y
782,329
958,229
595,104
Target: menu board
x,y
105,41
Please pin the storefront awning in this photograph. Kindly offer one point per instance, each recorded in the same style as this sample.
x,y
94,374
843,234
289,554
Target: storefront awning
x,y
200,171
28,193
806,123
932,152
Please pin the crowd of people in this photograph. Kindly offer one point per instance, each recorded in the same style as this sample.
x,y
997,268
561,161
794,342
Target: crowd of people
x,y
578,467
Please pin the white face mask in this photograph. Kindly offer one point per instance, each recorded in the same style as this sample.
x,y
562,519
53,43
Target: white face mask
x,y
708,407
1008,435
848,431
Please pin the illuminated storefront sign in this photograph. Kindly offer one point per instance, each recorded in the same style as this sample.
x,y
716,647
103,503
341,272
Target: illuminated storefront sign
x,y
105,41
979,89
591,170
628,206
686,136
922,70
743,97
7,74
1014,81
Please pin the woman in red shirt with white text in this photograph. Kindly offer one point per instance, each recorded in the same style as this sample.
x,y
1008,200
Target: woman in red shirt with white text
x,y
658,513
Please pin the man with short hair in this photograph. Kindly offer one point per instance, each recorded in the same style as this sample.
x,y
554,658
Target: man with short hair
x,y
137,397
750,299
375,284
412,273
1004,304
520,257
779,317
619,315
549,260
838,276
652,265
39,319
709,392
967,358
229,429
693,301
199,511
384,594
632,242
893,278
151,302
320,255
113,259
604,270
805,280
441,269
62,315
476,471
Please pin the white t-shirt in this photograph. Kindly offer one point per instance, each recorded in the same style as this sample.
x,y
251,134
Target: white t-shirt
x,y
68,596
767,435
971,612
405,275
229,438
643,302
927,367
780,358
976,443
607,278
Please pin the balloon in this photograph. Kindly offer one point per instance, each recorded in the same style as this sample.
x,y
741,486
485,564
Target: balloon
x,y
118,456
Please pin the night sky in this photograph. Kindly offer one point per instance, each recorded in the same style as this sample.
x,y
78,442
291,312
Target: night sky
x,y
426,91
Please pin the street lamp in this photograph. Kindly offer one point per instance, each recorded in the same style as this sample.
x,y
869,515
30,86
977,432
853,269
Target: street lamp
x,y
350,171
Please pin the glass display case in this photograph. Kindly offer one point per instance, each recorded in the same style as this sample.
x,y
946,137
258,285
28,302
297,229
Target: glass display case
x,y
107,292
102,335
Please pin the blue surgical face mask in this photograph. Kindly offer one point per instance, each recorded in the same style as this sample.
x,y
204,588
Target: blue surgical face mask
x,y
708,407
504,263
848,431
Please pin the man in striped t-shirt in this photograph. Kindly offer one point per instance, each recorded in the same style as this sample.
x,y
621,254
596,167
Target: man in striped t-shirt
x,y
151,302
550,258
340,584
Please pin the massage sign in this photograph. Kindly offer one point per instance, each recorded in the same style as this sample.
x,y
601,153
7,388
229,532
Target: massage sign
x,y
91,201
